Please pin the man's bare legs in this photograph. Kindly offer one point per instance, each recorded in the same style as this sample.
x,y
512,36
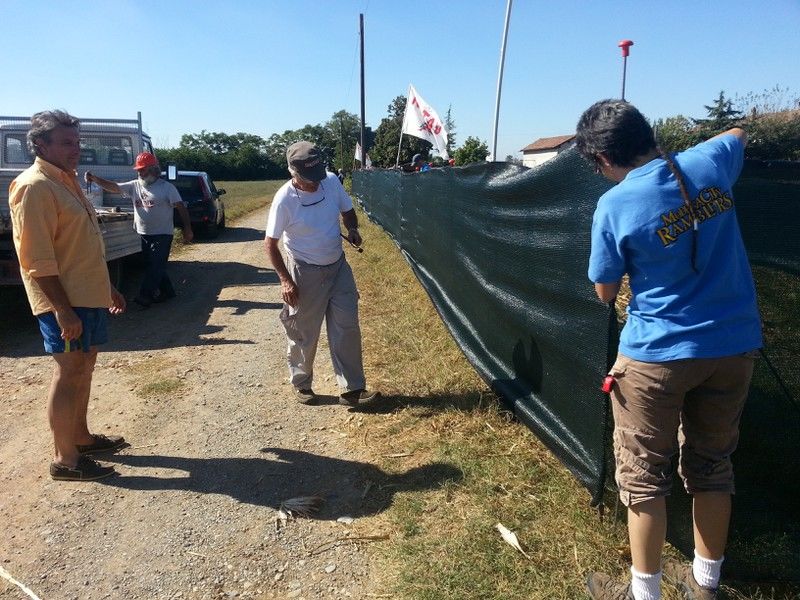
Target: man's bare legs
x,y
68,402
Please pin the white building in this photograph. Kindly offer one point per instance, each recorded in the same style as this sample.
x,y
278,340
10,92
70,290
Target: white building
x,y
544,149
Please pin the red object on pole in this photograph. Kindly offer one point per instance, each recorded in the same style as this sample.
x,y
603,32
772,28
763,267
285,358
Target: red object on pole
x,y
625,45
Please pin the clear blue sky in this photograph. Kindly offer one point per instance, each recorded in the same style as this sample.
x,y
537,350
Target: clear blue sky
x,y
265,66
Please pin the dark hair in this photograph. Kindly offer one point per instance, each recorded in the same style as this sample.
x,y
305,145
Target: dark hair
x,y
618,130
615,128
43,123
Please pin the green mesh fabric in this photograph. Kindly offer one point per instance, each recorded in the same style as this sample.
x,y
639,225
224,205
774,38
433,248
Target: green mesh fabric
x,y
503,252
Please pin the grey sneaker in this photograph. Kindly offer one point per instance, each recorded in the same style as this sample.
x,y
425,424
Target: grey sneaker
x,y
306,396
604,587
356,397
680,575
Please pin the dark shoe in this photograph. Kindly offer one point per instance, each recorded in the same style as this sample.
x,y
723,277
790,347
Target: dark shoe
x,y
142,301
356,397
680,575
86,470
603,587
102,443
305,396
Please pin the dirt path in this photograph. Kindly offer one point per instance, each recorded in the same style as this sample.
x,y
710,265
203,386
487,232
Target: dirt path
x,y
193,513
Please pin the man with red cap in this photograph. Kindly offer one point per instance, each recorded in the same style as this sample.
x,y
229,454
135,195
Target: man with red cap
x,y
153,201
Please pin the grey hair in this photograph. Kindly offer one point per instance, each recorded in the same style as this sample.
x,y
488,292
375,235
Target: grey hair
x,y
43,123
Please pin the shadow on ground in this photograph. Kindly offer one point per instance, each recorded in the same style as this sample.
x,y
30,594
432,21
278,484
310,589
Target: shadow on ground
x,y
183,321
351,488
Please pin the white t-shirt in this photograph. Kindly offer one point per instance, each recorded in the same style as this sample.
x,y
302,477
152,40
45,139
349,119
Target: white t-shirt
x,y
309,221
152,205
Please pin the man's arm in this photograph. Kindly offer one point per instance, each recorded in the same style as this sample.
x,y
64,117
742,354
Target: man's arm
x,y
109,186
350,221
188,235
607,291
735,131
70,324
289,291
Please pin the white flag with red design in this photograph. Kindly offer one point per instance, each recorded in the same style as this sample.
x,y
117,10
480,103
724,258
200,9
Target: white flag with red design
x,y
420,120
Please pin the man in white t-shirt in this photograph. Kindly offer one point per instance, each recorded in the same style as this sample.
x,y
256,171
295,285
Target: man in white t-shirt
x,y
316,281
153,202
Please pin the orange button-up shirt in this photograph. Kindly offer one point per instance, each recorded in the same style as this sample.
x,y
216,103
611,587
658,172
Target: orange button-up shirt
x,y
56,233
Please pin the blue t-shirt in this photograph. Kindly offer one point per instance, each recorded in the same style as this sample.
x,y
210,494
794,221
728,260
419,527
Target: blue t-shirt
x,y
641,227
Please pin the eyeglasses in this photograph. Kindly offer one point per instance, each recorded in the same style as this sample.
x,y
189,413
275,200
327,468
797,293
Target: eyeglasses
x,y
313,203
300,198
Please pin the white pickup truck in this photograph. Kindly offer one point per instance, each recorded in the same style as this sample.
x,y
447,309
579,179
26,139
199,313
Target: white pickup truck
x,y
108,149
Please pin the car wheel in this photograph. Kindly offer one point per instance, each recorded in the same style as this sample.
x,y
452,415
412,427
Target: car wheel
x,y
212,230
222,220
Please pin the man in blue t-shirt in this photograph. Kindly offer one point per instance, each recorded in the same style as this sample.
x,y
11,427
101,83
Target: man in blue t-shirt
x,y
686,352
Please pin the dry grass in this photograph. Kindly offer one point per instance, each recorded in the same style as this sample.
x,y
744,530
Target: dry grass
x,y
443,543
155,377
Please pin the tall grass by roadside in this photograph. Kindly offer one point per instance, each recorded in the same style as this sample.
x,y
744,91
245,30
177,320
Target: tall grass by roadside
x,y
242,197
443,544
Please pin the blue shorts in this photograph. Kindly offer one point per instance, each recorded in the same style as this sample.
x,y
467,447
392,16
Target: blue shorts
x,y
94,333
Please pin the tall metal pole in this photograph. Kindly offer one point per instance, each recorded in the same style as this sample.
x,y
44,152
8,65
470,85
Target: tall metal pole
x,y
500,81
625,46
363,145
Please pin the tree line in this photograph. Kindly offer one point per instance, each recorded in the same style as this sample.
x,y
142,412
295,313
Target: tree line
x,y
245,156
771,118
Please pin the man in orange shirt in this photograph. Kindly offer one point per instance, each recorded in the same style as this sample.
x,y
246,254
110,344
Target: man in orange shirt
x,y
62,261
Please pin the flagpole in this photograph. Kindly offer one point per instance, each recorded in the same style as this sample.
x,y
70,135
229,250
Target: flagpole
x,y
363,146
500,81
402,128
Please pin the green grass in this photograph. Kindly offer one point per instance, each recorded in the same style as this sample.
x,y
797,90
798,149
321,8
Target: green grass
x,y
443,544
241,198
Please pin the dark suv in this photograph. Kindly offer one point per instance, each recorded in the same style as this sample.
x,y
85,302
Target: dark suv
x,y
202,200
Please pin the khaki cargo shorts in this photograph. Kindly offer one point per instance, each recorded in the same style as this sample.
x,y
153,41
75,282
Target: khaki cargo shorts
x,y
691,407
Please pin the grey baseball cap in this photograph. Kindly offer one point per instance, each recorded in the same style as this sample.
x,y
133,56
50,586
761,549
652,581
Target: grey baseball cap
x,y
306,158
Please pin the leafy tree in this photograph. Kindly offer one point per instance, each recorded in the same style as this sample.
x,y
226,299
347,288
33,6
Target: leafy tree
x,y
675,134
510,158
774,136
721,117
345,128
241,156
772,124
472,151
450,127
387,137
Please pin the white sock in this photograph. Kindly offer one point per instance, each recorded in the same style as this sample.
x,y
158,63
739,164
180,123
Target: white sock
x,y
645,586
706,571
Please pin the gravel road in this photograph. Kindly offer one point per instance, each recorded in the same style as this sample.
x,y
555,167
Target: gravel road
x,y
216,445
